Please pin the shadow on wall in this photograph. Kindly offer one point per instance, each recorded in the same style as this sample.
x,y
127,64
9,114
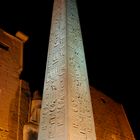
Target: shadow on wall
x,y
13,117
33,136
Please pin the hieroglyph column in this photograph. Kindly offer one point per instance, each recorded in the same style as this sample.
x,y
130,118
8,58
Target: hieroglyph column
x,y
66,107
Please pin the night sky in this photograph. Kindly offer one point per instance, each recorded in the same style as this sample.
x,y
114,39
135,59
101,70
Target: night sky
x,y
109,33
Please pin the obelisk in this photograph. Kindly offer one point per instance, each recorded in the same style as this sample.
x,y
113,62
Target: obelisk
x,y
66,107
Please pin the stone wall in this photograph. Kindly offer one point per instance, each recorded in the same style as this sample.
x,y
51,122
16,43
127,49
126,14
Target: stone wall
x,y
111,122
10,88
23,108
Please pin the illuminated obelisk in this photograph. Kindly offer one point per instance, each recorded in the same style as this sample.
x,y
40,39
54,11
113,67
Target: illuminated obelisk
x,y
66,107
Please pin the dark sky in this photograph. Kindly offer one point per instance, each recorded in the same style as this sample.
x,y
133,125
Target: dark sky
x,y
109,32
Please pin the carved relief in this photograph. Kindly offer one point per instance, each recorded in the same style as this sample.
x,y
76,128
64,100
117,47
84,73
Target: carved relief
x,y
53,99
66,79
3,134
80,100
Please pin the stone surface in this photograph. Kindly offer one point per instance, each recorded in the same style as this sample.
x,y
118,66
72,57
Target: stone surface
x,y
24,101
30,132
111,122
11,50
66,107
30,129
35,111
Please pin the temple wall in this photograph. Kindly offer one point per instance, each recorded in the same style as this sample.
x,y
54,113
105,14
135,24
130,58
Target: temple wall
x,y
23,107
111,122
10,88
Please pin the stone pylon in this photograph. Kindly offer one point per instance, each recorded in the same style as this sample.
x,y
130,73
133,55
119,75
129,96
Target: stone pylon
x,y
66,107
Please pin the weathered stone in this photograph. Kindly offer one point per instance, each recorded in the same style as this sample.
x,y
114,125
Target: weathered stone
x,y
12,115
111,122
66,108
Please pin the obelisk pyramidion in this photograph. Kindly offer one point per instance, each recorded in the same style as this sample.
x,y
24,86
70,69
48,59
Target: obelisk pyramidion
x,y
66,107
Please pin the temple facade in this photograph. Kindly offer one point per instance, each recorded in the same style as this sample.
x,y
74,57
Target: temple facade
x,y
111,122
14,93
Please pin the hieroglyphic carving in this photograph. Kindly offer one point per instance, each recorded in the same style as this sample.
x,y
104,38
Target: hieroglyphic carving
x,y
82,126
53,107
66,107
